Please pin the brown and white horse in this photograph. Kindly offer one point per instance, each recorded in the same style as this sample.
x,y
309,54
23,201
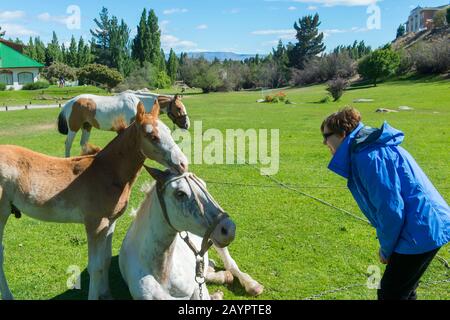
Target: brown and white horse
x,y
93,190
110,113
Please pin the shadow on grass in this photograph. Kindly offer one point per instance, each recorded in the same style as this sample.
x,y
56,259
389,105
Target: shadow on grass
x,y
119,289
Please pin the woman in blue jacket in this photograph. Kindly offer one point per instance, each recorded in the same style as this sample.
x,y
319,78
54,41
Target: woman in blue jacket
x,y
411,217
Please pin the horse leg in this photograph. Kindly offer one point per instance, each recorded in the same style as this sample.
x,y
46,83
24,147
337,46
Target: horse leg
x,y
4,215
220,277
97,244
105,292
70,137
86,132
251,286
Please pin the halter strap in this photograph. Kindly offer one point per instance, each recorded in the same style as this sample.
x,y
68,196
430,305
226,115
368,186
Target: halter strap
x,y
206,243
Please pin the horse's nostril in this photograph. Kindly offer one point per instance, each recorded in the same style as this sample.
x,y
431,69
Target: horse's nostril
x,y
224,231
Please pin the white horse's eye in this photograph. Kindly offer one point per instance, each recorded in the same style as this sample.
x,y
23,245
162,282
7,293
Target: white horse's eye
x,y
180,194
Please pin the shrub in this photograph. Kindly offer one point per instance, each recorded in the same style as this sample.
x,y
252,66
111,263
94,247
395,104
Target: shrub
x,y
379,64
58,69
440,19
432,58
2,86
162,80
336,88
268,99
42,84
99,74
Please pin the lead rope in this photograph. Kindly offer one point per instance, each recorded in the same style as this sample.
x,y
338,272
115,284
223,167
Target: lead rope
x,y
206,243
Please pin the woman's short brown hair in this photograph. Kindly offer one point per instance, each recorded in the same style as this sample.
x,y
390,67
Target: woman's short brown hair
x,y
343,121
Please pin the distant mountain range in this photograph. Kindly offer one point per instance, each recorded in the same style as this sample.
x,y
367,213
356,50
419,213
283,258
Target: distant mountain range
x,y
210,56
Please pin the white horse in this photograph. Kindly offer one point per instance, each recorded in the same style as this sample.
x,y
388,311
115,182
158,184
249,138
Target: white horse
x,y
111,113
157,264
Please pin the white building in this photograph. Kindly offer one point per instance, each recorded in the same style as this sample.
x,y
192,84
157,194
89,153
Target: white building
x,y
16,69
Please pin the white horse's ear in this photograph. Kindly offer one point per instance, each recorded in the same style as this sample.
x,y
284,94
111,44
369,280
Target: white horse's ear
x,y
158,175
140,112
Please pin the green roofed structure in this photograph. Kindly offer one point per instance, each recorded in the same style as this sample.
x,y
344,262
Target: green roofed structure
x,y
16,69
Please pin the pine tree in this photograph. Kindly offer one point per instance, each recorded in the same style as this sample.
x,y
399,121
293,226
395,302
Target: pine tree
x,y
155,38
172,65
310,41
83,54
71,55
30,49
40,50
53,51
137,49
100,38
400,31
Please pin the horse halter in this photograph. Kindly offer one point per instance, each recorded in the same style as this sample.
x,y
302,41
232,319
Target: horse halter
x,y
192,178
206,242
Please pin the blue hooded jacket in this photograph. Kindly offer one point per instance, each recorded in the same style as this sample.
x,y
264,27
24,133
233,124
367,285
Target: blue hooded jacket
x,y
392,191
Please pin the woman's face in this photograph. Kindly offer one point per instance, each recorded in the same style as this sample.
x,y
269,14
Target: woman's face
x,y
332,140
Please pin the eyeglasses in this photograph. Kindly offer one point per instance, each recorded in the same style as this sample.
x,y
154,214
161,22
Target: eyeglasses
x,y
327,135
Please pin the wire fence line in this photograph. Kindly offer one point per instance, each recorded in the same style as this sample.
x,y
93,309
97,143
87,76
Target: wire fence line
x,y
296,190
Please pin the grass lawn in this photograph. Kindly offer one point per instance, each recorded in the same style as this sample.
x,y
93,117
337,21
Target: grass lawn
x,y
51,95
295,246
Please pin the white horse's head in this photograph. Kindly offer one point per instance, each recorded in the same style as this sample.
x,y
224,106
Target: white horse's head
x,y
188,206
156,141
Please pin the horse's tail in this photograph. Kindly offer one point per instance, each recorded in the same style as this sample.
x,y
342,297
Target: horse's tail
x,y
62,123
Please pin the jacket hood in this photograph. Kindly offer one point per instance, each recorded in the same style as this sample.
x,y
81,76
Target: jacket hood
x,y
360,138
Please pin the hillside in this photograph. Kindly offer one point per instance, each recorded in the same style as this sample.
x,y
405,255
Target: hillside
x,y
427,36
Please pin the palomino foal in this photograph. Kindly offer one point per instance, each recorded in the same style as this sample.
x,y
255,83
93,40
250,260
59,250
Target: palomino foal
x,y
93,190
156,263
108,113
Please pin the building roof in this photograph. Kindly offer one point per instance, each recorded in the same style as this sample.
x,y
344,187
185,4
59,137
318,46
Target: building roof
x,y
10,58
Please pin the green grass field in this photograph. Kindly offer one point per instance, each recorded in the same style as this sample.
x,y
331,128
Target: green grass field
x,y
295,246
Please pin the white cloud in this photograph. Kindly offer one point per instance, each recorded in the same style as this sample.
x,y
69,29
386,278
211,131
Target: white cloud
x,y
332,3
232,11
175,10
169,41
312,8
47,17
202,27
292,8
328,32
273,32
11,15
163,25
15,30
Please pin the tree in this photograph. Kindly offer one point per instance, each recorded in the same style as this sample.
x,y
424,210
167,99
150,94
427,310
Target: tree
x,y
440,18
281,59
380,63
53,51
137,48
30,49
100,38
172,66
58,69
84,56
72,53
155,39
40,50
310,41
400,31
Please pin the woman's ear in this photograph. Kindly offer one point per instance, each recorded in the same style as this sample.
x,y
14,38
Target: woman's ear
x,y
140,112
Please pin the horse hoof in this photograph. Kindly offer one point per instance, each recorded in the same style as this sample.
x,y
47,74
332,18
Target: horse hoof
x,y
228,277
218,295
255,289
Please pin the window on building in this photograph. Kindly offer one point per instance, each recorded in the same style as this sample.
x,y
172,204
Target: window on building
x,y
25,77
6,77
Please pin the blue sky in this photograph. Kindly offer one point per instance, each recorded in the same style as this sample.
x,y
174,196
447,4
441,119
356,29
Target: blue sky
x,y
241,26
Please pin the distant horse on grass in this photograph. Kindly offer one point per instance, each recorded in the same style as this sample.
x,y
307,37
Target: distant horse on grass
x,y
93,190
110,113
157,264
